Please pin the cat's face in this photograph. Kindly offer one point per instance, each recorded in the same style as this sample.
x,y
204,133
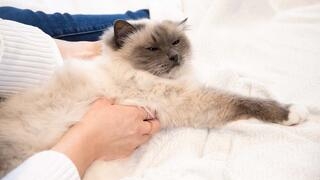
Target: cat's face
x,y
158,48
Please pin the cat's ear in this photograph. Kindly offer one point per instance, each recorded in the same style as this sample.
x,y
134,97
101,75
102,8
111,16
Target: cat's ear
x,y
122,29
183,24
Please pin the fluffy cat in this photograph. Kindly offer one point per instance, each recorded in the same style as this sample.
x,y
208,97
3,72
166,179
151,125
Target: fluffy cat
x,y
141,66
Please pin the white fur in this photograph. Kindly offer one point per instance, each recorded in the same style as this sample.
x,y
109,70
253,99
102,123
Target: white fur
x,y
297,114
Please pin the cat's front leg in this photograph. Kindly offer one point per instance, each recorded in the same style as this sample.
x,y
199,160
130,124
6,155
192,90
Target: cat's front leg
x,y
208,107
269,110
187,105
230,107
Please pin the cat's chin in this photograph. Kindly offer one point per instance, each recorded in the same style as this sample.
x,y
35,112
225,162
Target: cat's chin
x,y
172,74
167,76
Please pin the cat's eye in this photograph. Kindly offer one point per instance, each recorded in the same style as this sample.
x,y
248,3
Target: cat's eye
x,y
152,48
176,42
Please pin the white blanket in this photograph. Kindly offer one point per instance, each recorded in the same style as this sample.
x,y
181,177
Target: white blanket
x,y
257,48
254,47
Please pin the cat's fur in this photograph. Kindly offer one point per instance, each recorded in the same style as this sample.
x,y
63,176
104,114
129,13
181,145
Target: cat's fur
x,y
141,67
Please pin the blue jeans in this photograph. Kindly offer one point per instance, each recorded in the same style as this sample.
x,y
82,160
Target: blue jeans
x,y
69,27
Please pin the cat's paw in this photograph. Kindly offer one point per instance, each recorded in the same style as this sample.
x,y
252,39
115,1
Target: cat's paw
x,y
297,115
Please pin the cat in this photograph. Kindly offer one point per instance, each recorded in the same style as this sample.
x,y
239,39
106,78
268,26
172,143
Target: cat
x,y
142,64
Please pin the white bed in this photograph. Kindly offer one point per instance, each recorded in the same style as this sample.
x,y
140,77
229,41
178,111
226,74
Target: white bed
x,y
254,47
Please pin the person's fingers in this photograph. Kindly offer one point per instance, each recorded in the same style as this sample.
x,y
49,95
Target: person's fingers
x,y
155,126
146,113
145,128
149,127
151,113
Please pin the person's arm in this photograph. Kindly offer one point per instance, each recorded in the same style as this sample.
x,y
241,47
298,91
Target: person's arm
x,y
105,132
28,57
48,165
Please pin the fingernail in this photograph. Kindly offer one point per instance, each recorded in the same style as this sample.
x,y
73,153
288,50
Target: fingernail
x,y
151,112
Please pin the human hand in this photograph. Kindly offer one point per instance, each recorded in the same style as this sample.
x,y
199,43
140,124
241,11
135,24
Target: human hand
x,y
107,132
79,49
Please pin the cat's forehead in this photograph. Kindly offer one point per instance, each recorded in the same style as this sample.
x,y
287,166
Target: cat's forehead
x,y
166,29
157,32
164,32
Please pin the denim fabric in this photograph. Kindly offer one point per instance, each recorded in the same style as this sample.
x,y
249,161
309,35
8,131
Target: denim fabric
x,y
69,27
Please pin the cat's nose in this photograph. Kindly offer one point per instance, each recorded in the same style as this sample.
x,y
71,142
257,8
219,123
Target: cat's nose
x,y
174,58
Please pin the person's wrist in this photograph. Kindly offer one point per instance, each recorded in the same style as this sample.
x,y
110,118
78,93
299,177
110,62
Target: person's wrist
x,y
88,140
79,147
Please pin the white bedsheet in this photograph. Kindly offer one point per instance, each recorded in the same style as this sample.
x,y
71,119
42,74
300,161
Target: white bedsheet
x,y
258,48
254,47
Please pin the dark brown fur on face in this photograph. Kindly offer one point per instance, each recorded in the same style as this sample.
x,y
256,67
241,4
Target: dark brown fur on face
x,y
160,48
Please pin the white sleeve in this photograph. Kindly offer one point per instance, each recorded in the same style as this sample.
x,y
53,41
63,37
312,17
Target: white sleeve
x,y
28,57
48,165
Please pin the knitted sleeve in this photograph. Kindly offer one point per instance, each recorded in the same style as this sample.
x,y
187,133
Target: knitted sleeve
x,y
28,57
46,165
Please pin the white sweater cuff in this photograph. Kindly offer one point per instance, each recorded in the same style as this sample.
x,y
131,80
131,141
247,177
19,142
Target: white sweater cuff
x,y
48,165
28,57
